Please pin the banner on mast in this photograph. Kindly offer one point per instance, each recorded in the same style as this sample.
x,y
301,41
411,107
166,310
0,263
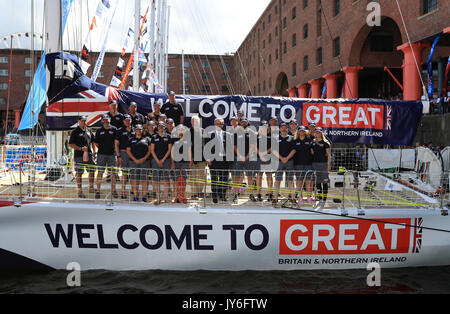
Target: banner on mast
x,y
99,62
131,60
370,121
102,7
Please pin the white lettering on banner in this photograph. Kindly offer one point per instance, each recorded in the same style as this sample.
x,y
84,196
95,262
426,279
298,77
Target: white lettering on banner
x,y
315,118
252,111
327,116
344,237
283,115
216,109
378,241
64,68
273,109
394,229
233,110
332,115
303,240
373,113
243,108
188,112
326,239
303,237
200,108
343,115
361,117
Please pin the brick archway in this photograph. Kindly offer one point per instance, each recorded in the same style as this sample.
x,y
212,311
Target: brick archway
x,y
374,48
282,84
361,42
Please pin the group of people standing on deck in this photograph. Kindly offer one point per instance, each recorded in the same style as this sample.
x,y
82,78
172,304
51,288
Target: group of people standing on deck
x,y
159,149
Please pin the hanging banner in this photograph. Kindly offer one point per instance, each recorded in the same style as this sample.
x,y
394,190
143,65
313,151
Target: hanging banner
x,y
36,96
101,8
118,73
131,60
99,62
370,121
447,71
430,68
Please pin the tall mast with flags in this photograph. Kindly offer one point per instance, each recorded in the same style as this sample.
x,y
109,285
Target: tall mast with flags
x,y
151,55
53,43
137,26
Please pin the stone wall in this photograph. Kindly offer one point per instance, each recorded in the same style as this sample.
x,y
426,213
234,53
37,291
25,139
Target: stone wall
x,y
435,129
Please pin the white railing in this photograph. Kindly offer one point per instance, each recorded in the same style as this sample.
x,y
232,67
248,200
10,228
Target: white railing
x,y
208,187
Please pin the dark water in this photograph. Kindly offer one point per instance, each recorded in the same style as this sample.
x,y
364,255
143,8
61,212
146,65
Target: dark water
x,y
427,280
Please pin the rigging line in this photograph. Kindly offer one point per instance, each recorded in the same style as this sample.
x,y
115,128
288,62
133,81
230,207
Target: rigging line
x,y
363,219
339,56
198,56
245,73
221,59
200,20
264,66
227,75
213,76
200,65
214,48
197,75
410,45
193,74
197,67
32,65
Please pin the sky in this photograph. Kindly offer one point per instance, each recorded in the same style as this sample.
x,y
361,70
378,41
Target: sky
x,y
196,26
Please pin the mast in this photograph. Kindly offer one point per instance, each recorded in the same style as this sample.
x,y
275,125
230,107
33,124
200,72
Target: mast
x,y
158,42
8,99
151,35
166,59
53,26
182,72
53,43
32,173
162,59
137,27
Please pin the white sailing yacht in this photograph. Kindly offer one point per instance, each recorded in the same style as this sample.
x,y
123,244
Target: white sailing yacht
x,y
363,222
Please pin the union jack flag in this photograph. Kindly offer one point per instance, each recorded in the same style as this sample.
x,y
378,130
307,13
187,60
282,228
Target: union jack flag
x,y
418,231
389,118
86,103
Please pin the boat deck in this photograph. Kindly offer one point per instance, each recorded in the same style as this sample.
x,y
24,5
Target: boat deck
x,y
374,191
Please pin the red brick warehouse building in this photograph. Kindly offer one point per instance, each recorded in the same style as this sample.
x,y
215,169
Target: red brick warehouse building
x,y
298,45
203,74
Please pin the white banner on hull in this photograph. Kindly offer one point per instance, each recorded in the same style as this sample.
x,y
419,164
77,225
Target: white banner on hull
x,y
187,239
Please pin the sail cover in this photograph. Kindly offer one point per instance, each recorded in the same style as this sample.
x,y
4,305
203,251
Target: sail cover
x,y
36,97
370,121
